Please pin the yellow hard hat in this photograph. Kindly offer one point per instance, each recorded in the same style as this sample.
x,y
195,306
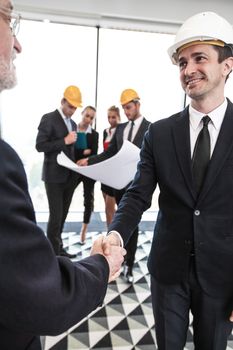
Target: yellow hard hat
x,y
128,95
73,95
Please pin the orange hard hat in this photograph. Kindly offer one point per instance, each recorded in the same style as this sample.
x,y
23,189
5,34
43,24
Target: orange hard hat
x,y
73,95
128,95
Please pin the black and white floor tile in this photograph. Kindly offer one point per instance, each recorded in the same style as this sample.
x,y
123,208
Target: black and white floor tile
x,y
125,321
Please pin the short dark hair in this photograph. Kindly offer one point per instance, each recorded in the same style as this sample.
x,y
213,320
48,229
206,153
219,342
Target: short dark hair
x,y
223,53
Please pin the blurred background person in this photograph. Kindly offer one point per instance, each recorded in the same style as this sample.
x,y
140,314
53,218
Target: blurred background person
x,y
56,133
85,146
108,192
133,131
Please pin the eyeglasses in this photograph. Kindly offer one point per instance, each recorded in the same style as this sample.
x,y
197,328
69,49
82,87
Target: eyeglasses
x,y
12,18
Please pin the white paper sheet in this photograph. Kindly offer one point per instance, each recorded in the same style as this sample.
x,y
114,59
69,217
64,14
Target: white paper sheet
x,y
116,171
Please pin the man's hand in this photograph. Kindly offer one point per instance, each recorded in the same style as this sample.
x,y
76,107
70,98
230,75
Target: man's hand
x,y
231,317
82,162
110,240
115,256
87,152
71,138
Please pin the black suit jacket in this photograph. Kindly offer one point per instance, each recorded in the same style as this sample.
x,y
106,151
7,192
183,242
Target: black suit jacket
x,y
50,140
185,219
40,294
117,141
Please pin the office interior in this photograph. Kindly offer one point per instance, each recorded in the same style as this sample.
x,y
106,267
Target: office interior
x,y
102,47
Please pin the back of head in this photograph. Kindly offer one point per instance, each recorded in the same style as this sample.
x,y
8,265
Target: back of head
x,y
73,95
202,28
128,95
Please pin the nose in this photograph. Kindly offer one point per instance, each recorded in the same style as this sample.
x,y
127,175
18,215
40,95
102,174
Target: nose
x,y
190,68
17,45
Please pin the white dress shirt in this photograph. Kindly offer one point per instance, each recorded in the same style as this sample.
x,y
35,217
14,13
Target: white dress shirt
x,y
67,120
137,123
196,124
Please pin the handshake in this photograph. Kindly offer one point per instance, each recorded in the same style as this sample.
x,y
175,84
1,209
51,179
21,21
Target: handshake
x,y
111,248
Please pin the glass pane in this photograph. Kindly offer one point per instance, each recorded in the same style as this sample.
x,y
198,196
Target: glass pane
x,y
57,55
53,57
138,60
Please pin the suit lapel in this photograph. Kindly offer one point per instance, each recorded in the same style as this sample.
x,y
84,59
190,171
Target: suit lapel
x,y
222,149
140,133
181,135
120,135
60,121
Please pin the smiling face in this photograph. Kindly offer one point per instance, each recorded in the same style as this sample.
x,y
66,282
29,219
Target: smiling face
x,y
9,47
202,76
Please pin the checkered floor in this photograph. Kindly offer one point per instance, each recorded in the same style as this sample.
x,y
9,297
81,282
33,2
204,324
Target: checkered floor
x,y
125,321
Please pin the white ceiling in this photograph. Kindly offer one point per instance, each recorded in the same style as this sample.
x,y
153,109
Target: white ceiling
x,y
162,15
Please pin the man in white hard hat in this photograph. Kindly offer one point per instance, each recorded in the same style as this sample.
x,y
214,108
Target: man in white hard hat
x,y
190,157
39,292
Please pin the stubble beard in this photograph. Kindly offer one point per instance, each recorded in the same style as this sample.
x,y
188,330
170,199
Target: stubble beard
x,y
7,75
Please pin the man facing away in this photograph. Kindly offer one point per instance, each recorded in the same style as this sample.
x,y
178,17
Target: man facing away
x,y
58,132
40,294
133,131
190,156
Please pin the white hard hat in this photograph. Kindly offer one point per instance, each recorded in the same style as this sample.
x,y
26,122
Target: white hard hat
x,y
205,26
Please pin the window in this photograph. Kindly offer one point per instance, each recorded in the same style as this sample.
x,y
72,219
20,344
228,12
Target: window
x,y
57,55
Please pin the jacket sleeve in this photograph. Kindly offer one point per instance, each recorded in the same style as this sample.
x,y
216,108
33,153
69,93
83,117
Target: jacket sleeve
x,y
94,148
138,196
39,292
48,139
110,152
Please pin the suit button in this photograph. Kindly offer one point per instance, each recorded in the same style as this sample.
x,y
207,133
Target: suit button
x,y
188,242
197,212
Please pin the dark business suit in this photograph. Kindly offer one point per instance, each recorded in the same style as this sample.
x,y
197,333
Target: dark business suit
x,y
114,146
88,184
187,222
40,294
60,182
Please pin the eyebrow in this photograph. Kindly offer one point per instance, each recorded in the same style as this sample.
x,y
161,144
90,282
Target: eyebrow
x,y
194,54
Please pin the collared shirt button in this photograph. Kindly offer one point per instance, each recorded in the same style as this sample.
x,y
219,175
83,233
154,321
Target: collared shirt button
x,y
197,212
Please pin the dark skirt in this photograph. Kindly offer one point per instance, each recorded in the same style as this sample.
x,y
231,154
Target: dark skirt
x,y
108,190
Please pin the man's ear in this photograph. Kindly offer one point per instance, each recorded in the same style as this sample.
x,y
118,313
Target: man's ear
x,y
228,66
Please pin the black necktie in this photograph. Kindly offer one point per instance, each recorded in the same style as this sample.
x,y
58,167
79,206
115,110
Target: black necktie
x,y
201,154
130,132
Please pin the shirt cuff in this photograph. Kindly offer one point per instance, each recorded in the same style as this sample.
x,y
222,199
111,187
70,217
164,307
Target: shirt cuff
x,y
119,236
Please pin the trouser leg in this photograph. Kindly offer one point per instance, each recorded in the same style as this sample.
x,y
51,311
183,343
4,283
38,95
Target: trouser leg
x,y
171,307
131,247
69,189
171,312
55,201
88,193
211,325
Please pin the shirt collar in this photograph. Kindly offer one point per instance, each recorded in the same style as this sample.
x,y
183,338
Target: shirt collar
x,y
137,121
216,116
87,131
62,114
